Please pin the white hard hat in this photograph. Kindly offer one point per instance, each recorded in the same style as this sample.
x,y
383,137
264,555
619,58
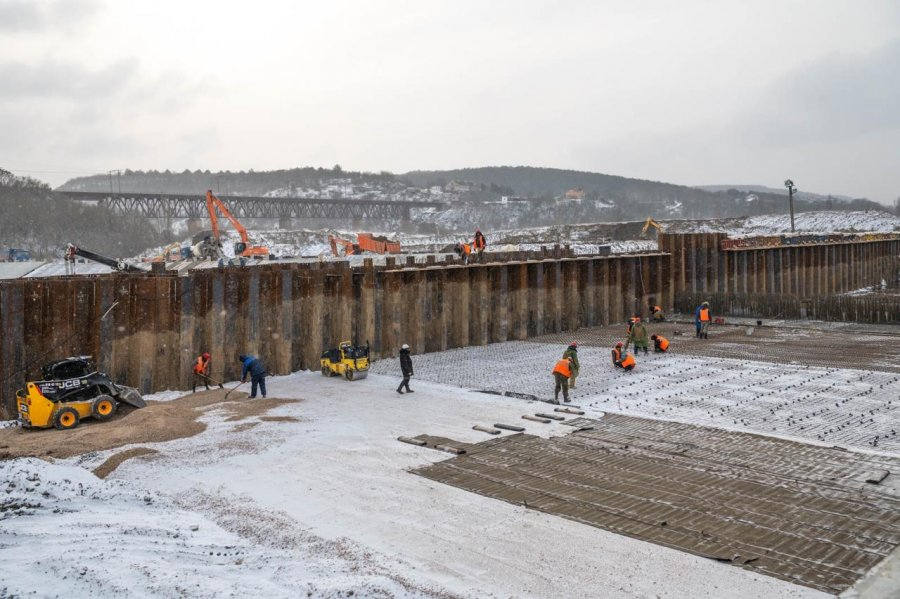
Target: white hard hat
x,y
404,346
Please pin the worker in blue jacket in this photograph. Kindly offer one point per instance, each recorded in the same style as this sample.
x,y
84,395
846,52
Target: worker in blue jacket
x,y
257,371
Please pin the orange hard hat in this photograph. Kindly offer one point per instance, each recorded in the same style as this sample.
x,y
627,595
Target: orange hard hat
x,y
619,344
206,355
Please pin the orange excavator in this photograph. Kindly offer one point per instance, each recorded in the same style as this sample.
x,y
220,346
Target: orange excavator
x,y
242,248
365,242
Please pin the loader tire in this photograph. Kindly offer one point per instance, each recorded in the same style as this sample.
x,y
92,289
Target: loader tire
x,y
103,407
348,374
66,418
326,371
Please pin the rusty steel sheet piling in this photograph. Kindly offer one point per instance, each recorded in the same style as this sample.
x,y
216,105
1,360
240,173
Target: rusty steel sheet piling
x,y
145,329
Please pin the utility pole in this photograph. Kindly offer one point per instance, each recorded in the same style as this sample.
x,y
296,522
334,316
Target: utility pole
x,y
791,189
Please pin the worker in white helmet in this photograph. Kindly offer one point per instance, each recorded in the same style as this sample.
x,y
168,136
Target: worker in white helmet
x,y
406,368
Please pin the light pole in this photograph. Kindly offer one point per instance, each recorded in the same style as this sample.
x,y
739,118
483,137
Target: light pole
x,y
790,187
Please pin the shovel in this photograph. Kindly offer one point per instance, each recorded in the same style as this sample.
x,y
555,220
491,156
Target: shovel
x,y
233,388
215,382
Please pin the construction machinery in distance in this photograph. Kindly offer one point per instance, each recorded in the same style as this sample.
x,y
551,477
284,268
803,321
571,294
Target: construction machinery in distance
x,y
72,251
242,248
17,255
347,360
651,223
365,242
171,253
70,391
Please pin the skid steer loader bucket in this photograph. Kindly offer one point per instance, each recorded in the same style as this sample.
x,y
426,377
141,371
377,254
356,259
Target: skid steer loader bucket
x,y
131,396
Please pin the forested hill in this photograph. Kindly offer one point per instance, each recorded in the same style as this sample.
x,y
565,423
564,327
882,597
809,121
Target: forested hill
x,y
251,182
32,218
535,181
605,197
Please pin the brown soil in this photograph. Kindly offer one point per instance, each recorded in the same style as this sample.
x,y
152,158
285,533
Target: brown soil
x,y
279,419
246,426
104,469
158,422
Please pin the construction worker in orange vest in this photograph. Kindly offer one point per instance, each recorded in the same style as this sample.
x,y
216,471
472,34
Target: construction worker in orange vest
x,y
201,372
702,317
561,372
627,362
464,250
660,343
656,312
479,244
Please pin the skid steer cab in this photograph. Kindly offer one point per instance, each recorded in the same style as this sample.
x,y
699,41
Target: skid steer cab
x,y
72,390
347,360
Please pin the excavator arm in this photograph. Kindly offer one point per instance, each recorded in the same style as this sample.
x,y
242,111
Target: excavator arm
x,y
243,248
72,251
213,203
651,223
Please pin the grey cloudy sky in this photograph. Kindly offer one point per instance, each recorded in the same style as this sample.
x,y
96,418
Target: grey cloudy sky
x,y
687,92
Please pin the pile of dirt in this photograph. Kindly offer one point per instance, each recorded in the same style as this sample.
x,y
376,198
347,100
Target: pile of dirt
x,y
158,422
115,460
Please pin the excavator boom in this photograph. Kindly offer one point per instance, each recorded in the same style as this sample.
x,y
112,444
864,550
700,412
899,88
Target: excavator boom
x,y
243,248
651,223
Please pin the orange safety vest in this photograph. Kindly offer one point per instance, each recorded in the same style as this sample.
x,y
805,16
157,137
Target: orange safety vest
x,y
657,309
479,243
663,342
467,249
200,366
628,361
616,355
704,314
562,367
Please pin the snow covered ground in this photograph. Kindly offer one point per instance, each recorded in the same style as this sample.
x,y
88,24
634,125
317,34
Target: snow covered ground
x,y
321,505
819,221
839,406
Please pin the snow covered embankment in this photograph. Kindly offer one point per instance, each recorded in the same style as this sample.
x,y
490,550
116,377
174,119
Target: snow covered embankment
x,y
64,532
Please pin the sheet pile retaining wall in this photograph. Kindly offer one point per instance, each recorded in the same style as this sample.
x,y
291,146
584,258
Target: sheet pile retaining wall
x,y
146,330
875,309
699,264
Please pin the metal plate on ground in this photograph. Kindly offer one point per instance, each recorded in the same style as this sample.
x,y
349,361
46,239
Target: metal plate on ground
x,y
798,512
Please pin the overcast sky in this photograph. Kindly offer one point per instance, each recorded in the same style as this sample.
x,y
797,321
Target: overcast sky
x,y
688,92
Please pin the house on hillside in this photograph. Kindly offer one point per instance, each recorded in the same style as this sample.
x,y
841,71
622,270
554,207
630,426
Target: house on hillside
x,y
459,186
576,194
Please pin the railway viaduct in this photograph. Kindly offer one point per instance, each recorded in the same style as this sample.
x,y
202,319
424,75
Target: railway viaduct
x,y
193,206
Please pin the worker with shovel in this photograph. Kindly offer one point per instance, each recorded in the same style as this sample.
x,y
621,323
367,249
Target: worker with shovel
x,y
201,372
257,371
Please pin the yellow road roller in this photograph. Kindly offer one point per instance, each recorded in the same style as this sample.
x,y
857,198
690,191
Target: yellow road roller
x,y
347,360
